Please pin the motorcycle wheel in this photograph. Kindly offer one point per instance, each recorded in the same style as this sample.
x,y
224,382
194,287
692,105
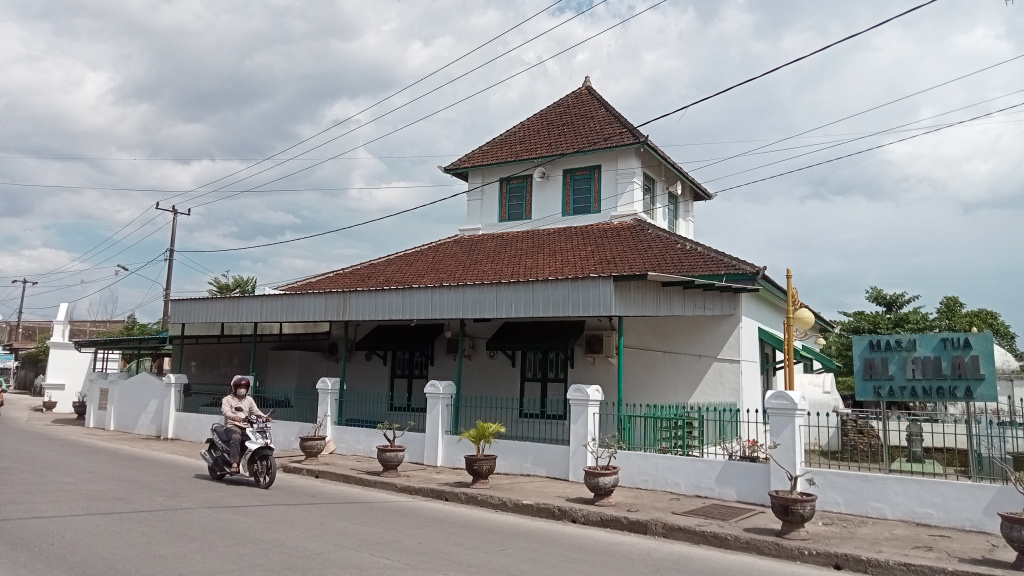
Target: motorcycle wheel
x,y
214,474
264,471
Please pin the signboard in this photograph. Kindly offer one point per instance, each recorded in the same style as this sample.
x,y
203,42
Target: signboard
x,y
941,367
7,361
104,396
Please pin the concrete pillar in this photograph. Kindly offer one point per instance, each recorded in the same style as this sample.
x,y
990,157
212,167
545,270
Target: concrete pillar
x,y
92,390
584,405
111,386
327,403
439,400
787,414
174,383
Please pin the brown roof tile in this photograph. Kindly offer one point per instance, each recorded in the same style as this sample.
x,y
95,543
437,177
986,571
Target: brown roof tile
x,y
603,249
581,121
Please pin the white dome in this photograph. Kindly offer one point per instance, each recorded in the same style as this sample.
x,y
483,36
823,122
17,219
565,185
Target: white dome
x,y
1005,363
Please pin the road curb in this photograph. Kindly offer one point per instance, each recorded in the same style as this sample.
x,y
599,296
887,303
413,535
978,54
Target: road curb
x,y
759,546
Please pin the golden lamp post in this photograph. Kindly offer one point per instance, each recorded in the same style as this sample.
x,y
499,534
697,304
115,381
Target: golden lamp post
x,y
799,319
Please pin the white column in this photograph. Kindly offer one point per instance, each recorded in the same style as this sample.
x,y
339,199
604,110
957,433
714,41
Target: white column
x,y
327,403
439,400
584,405
174,383
112,385
787,413
92,399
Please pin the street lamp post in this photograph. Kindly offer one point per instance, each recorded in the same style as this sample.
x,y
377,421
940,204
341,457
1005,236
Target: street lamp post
x,y
799,319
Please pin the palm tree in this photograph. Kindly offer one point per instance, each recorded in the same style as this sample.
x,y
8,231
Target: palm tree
x,y
234,285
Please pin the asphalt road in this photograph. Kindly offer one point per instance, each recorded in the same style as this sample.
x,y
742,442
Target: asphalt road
x,y
72,506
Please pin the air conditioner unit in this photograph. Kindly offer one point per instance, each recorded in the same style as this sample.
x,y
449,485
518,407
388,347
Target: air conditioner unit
x,y
451,347
600,344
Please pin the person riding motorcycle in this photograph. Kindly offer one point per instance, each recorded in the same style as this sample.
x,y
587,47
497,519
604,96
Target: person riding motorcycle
x,y
237,407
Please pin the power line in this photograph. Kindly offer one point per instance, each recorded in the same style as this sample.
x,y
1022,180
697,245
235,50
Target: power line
x,y
65,187
120,279
424,205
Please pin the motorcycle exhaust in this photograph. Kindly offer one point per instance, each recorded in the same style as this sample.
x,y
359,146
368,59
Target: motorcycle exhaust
x,y
207,457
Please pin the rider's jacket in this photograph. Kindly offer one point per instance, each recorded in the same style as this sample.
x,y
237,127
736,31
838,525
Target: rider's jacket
x,y
227,408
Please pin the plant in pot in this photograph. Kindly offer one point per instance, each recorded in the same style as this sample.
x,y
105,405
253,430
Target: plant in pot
x,y
48,404
480,465
1012,523
793,507
391,455
602,479
313,444
79,405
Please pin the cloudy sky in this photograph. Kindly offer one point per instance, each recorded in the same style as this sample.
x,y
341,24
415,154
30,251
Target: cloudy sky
x,y
107,108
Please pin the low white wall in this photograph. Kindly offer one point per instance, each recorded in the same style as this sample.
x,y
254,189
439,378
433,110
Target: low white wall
x,y
514,457
364,441
961,505
66,372
721,479
140,406
196,428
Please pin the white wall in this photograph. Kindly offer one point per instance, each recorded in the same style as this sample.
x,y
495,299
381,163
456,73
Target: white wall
x,y
514,457
66,371
721,479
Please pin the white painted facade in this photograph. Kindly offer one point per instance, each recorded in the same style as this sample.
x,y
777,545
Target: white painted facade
x,y
621,192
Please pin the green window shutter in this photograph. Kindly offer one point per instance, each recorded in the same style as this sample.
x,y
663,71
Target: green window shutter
x,y
515,200
649,187
581,191
673,211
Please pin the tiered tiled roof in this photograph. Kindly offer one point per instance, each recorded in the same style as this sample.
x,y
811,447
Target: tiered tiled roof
x,y
614,248
581,121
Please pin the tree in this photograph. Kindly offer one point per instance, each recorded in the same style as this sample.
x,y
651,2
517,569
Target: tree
x,y
131,328
39,354
103,308
234,285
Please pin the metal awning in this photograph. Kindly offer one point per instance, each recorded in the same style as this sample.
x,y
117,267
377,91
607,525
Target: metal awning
x,y
399,337
125,344
825,361
773,339
536,336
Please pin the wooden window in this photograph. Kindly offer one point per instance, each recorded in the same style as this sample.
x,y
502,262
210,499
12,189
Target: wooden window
x,y
649,203
544,382
673,211
516,199
408,378
581,191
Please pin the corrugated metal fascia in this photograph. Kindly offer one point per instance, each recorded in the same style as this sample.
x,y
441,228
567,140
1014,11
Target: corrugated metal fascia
x,y
646,298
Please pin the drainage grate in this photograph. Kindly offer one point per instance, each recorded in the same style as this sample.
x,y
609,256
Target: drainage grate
x,y
720,512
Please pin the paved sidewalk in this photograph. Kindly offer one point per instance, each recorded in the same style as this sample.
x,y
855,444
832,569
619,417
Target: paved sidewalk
x,y
839,541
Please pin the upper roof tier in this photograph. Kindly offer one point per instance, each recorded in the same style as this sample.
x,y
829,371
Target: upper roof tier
x,y
580,122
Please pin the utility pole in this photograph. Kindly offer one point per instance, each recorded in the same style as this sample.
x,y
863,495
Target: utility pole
x,y
165,319
21,305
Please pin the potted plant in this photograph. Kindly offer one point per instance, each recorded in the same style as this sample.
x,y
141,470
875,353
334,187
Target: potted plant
x,y
1012,524
602,479
313,444
793,507
391,455
49,405
79,405
750,451
480,465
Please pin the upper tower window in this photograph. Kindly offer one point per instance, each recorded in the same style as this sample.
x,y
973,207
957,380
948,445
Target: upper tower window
x,y
649,196
516,201
581,191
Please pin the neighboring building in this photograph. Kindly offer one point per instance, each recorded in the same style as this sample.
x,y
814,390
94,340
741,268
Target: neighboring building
x,y
576,265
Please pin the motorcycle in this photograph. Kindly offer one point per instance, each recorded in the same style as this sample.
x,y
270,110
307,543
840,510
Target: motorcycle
x,y
257,458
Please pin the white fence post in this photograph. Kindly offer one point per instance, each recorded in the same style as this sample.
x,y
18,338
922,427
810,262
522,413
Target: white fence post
x,y
93,381
174,383
327,402
787,410
439,400
584,406
112,385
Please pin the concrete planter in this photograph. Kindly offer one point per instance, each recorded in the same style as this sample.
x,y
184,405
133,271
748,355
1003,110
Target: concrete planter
x,y
601,481
49,405
312,447
79,408
481,468
794,511
1012,529
390,458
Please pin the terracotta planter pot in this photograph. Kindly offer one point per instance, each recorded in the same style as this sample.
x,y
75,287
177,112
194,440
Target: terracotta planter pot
x,y
79,408
49,405
390,458
312,447
601,482
1018,462
794,512
481,468
1012,529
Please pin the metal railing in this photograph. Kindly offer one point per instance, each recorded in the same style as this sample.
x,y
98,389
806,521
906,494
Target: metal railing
x,y
544,421
945,441
368,409
713,430
289,406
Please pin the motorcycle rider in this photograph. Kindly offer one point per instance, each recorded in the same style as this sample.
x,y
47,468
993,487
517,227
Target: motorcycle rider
x,y
237,407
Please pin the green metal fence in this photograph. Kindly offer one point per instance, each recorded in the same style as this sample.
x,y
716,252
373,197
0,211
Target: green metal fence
x,y
706,430
368,409
288,406
946,441
544,421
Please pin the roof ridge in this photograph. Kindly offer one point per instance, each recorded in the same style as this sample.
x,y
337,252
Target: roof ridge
x,y
612,110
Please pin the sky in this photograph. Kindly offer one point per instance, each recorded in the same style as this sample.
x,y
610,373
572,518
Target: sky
x,y
107,108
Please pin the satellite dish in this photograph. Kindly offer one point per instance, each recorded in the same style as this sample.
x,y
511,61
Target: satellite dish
x,y
540,174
